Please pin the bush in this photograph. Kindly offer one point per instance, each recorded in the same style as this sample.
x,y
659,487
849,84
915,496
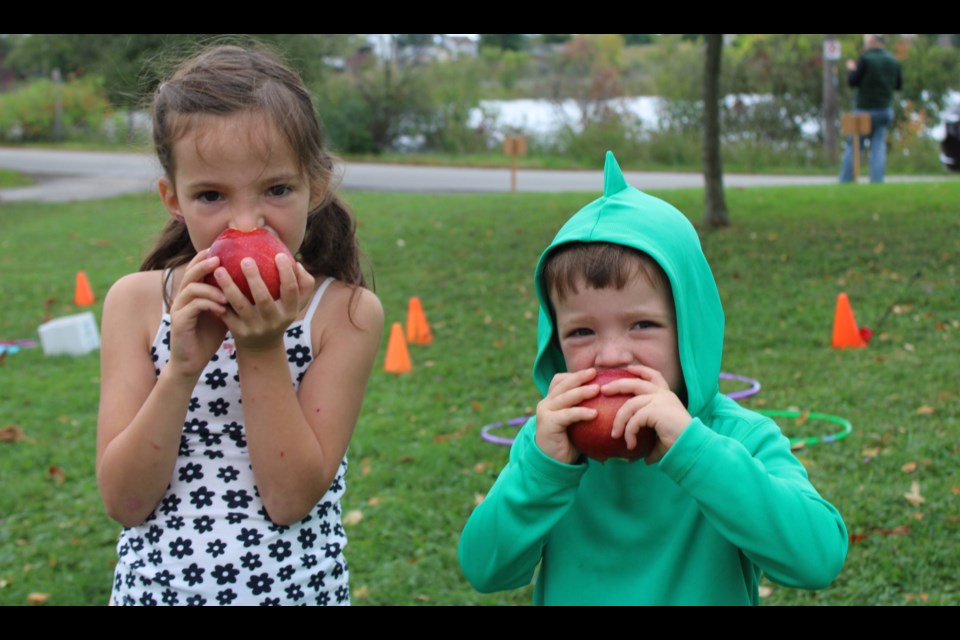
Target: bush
x,y
28,114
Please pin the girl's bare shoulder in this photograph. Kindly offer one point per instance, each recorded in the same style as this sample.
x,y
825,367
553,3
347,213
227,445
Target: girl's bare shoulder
x,y
135,300
346,306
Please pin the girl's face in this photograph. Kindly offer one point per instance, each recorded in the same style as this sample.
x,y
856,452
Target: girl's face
x,y
237,171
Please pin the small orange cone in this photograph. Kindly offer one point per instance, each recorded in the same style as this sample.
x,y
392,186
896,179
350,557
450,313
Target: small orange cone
x,y
418,331
83,294
845,331
398,357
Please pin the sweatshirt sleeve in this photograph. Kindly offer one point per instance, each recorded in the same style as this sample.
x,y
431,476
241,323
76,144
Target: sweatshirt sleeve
x,y
757,494
503,540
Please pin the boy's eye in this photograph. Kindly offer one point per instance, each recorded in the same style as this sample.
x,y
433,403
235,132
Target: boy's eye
x,y
578,333
644,324
279,190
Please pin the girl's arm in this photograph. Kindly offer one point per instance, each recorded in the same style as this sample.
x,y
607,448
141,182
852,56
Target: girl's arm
x,y
297,440
141,415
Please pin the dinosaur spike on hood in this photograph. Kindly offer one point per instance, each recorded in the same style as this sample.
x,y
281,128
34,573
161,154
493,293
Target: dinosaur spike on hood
x,y
613,180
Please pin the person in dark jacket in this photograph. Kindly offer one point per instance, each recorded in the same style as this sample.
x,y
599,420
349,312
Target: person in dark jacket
x,y
875,76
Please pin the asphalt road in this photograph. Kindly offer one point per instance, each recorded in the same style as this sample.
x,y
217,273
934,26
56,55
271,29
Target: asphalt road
x,y
81,175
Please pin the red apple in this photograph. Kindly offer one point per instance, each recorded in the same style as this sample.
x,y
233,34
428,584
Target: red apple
x,y
592,437
233,245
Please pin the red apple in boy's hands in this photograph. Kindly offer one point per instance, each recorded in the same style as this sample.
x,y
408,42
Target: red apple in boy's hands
x,y
233,245
592,437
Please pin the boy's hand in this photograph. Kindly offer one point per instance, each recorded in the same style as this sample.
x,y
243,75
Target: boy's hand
x,y
654,406
559,409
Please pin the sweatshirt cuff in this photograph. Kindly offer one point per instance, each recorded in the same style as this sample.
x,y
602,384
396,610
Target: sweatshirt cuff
x,y
552,470
687,450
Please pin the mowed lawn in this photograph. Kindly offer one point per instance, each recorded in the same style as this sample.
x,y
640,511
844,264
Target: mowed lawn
x,y
418,464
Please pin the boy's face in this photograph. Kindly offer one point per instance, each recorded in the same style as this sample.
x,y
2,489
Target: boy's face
x,y
612,328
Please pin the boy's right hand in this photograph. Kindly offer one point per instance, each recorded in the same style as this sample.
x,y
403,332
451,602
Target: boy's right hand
x,y
195,327
559,409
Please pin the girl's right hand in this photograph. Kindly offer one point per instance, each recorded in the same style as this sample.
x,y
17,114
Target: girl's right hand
x,y
196,330
559,409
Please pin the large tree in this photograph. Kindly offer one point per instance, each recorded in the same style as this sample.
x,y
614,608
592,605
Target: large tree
x,y
715,206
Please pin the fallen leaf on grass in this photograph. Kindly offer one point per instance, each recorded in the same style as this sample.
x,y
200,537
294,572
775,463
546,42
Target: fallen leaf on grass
x,y
908,347
870,453
353,517
910,467
953,519
918,516
480,467
955,490
407,459
4,583
802,418
365,466
360,593
909,597
914,496
798,445
374,501
925,410
858,537
56,474
478,498
38,598
765,591
11,433
423,598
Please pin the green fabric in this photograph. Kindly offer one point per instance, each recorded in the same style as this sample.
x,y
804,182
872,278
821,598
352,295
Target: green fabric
x,y
879,80
727,501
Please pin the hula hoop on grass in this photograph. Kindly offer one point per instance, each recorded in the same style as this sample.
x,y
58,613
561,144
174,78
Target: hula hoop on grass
x,y
753,389
846,427
519,421
513,422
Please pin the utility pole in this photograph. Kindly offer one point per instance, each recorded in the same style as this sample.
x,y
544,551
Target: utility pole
x,y
831,54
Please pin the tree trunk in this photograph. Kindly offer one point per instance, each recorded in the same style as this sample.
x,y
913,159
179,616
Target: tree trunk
x,y
715,209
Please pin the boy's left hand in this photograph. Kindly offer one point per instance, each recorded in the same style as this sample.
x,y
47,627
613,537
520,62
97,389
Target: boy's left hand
x,y
262,324
654,406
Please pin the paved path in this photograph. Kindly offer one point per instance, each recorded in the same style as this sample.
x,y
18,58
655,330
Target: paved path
x,y
81,175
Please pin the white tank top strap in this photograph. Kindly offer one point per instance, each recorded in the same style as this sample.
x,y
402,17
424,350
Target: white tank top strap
x,y
168,288
316,299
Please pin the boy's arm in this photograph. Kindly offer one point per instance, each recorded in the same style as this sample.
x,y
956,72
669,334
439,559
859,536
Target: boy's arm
x,y
502,542
757,494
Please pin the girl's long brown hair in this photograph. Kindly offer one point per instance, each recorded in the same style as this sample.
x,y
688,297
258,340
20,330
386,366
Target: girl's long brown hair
x,y
226,80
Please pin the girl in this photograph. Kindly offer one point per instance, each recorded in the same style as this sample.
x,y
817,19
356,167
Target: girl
x,y
223,425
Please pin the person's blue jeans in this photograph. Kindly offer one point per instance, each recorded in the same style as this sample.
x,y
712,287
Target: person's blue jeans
x,y
880,121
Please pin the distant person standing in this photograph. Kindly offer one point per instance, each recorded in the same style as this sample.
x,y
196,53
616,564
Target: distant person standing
x,y
876,75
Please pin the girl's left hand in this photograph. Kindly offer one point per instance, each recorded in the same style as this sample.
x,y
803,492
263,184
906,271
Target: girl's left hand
x,y
653,406
261,324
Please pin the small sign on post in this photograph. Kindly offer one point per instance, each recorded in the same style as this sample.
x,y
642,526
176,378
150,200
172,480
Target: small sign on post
x,y
514,146
856,125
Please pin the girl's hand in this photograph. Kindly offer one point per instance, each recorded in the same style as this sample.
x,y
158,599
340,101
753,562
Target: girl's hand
x,y
653,406
195,327
559,409
261,325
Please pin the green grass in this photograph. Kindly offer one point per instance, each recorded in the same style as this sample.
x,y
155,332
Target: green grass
x,y
417,460
10,179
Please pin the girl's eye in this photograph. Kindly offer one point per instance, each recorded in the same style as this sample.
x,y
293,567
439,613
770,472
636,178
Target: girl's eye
x,y
208,196
279,190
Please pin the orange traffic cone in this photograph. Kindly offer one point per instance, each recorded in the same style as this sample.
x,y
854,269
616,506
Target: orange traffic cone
x,y
83,294
418,331
845,331
398,357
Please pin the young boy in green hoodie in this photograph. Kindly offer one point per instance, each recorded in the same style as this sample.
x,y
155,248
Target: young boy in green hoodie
x,y
721,498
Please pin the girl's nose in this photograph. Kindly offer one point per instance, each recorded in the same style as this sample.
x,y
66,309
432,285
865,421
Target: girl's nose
x,y
248,216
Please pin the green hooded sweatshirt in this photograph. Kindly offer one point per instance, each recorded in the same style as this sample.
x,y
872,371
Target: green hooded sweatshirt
x,y
725,503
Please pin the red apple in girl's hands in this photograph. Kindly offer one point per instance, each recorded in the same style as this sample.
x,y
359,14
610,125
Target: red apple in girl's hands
x,y
233,245
592,437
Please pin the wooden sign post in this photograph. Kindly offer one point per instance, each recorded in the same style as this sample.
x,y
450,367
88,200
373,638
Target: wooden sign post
x,y
856,125
514,146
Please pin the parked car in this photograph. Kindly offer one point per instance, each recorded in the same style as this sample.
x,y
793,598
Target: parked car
x,y
950,147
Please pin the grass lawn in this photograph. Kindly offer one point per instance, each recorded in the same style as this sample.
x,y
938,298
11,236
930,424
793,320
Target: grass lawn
x,y
418,463
10,179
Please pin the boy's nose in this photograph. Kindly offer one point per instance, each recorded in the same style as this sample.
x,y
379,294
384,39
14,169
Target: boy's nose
x,y
613,354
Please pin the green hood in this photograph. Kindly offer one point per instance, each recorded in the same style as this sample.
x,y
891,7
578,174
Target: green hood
x,y
626,216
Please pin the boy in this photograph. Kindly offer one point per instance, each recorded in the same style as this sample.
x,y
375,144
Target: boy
x,y
625,285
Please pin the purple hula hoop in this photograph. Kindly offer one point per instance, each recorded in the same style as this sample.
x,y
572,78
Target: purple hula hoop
x,y
753,389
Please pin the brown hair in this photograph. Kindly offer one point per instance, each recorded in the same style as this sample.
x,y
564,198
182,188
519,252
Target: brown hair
x,y
598,265
225,80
